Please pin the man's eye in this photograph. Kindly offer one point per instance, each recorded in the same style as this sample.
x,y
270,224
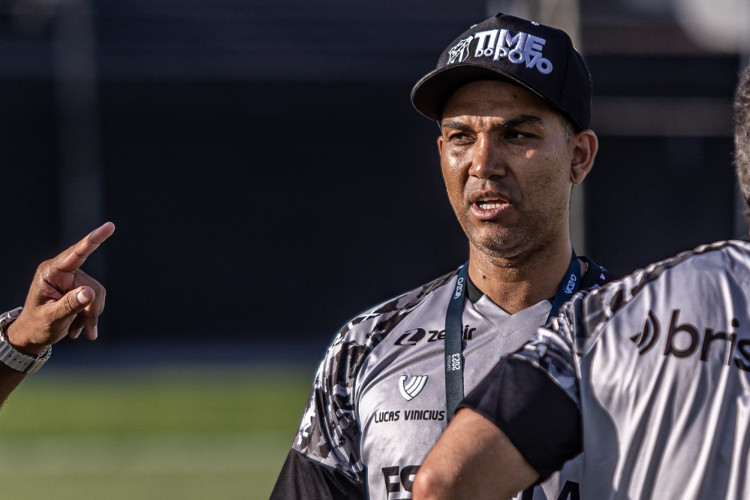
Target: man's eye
x,y
459,137
517,135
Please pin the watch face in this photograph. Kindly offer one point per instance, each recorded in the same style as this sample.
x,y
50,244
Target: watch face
x,y
10,316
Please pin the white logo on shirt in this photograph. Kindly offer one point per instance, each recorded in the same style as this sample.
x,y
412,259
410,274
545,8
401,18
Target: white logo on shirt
x,y
413,388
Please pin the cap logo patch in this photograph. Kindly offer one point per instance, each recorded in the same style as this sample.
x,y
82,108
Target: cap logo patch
x,y
460,51
519,48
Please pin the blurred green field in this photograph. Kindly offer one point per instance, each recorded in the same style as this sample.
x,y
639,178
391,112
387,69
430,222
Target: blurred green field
x,y
161,435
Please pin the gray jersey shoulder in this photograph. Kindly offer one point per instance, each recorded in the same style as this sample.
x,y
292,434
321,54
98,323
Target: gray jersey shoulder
x,y
329,431
659,364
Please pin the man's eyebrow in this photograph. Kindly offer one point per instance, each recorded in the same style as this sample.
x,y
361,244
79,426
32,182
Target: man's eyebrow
x,y
520,120
455,125
505,124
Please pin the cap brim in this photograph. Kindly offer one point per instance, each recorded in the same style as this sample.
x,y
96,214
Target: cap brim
x,y
433,90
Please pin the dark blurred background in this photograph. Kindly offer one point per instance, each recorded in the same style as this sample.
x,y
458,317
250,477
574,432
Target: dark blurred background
x,y
269,178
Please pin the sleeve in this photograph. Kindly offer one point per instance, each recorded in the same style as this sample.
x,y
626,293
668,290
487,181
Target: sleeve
x,y
325,460
304,478
327,447
536,415
533,397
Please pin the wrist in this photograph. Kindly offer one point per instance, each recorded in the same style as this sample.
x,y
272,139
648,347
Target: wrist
x,y
14,336
25,358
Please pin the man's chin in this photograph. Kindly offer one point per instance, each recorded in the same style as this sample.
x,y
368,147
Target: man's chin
x,y
499,246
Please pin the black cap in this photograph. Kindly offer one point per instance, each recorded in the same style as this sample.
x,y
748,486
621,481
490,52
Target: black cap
x,y
503,47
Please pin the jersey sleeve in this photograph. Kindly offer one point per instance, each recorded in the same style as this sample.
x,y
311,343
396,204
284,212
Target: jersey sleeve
x,y
532,396
325,459
538,418
326,456
302,477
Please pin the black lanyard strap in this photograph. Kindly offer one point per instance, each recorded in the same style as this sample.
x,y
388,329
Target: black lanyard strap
x,y
454,360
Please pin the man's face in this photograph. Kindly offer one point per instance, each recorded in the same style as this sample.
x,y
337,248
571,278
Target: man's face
x,y
506,162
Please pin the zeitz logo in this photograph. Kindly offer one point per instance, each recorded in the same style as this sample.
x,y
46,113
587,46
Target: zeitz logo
x,y
414,336
411,389
685,339
519,48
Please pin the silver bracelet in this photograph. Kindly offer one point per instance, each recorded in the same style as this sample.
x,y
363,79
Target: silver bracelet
x,y
12,357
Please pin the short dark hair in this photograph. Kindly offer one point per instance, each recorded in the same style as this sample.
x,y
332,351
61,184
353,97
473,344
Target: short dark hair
x,y
742,136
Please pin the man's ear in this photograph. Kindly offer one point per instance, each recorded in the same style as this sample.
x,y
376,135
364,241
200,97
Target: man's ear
x,y
585,144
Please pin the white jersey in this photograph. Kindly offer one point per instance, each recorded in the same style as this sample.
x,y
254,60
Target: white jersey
x,y
378,404
657,365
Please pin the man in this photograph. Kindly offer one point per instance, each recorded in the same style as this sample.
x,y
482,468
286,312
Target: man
x,y
649,375
512,99
62,301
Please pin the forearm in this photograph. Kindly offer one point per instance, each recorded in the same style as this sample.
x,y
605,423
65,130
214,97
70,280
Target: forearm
x,y
62,301
17,356
9,380
473,459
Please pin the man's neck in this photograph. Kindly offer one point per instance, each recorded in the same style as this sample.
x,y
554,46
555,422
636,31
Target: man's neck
x,y
520,282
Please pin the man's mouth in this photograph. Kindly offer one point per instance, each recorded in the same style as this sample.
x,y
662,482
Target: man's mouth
x,y
488,209
490,204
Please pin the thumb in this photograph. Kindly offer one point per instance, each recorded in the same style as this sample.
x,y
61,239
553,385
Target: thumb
x,y
84,296
74,302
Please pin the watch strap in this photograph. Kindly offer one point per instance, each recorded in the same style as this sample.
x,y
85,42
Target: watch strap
x,y
12,357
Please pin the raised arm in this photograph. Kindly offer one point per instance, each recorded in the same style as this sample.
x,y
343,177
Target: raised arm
x,y
62,301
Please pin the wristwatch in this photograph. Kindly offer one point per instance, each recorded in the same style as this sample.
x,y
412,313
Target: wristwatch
x,y
12,357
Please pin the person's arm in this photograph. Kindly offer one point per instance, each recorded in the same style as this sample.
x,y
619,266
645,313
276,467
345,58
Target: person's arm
x,y
473,459
515,429
62,301
519,425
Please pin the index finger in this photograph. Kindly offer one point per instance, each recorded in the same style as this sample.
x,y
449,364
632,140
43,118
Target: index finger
x,y
74,257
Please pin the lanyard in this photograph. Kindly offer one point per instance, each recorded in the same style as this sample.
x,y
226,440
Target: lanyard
x,y
454,363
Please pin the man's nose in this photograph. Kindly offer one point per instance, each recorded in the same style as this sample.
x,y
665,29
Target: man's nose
x,y
487,160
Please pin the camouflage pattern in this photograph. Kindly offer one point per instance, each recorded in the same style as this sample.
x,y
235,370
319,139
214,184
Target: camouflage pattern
x,y
329,415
